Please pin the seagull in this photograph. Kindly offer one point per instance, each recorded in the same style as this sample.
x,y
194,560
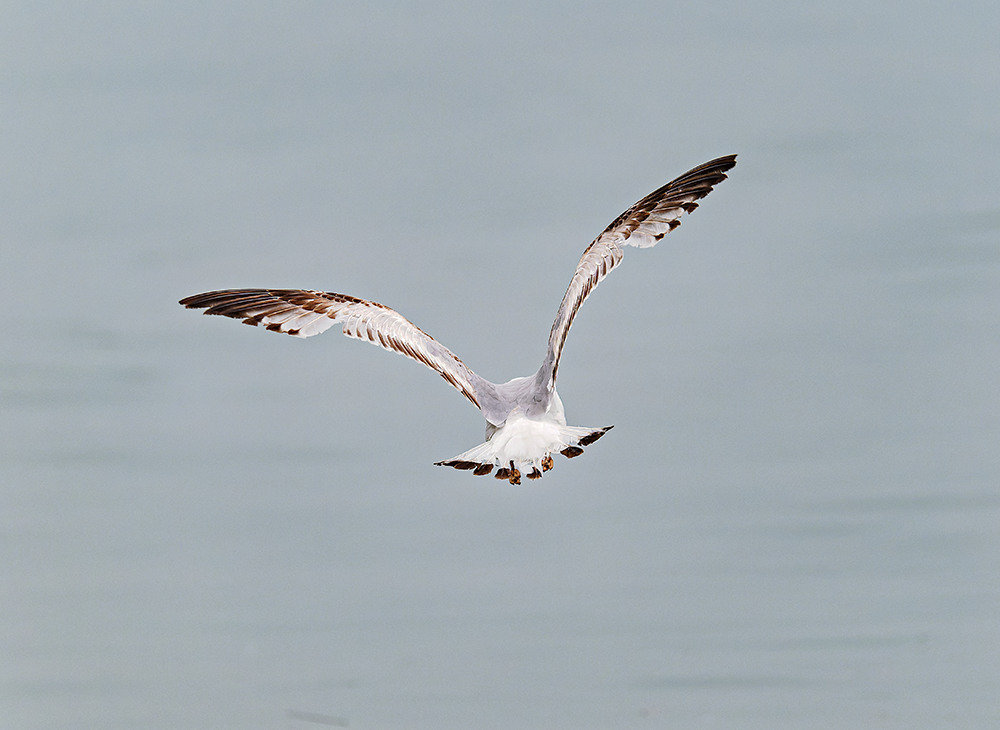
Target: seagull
x,y
525,420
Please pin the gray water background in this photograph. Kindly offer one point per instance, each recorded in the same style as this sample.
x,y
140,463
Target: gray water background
x,y
794,524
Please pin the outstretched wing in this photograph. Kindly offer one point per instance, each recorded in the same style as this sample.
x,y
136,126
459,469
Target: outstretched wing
x,y
642,225
304,313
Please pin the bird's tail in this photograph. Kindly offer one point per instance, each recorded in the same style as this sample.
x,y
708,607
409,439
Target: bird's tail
x,y
510,448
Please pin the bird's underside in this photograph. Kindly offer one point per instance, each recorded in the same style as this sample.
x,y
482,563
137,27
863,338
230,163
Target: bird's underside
x,y
525,424
528,444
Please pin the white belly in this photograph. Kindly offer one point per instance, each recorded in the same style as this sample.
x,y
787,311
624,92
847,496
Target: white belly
x,y
526,441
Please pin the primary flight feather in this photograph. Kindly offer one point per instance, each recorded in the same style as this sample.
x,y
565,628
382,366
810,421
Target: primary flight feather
x,y
525,422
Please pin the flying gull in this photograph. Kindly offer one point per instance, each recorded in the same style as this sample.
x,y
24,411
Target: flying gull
x,y
525,421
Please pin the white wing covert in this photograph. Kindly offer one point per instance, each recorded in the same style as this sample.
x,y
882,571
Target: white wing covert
x,y
304,313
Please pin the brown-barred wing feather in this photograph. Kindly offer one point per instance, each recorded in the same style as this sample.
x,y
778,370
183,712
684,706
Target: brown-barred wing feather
x,y
643,225
304,313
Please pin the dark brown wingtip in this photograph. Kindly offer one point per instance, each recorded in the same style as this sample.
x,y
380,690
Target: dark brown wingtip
x,y
193,302
534,474
571,452
460,465
702,179
547,463
594,435
211,298
483,470
718,166
724,163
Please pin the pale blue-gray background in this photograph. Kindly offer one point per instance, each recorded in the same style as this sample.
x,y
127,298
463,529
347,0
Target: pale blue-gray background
x,y
794,524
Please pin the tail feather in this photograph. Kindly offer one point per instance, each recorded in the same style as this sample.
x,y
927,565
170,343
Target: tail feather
x,y
529,447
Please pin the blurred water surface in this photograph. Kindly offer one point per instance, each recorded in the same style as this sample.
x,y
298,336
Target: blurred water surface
x,y
795,521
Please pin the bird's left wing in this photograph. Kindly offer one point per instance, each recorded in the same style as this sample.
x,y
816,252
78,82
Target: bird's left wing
x,y
303,313
642,225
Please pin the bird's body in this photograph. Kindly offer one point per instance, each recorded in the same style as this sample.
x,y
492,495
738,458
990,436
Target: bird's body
x,y
525,421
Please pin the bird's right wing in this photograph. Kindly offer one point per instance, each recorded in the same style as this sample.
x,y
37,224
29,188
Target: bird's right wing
x,y
303,313
642,225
